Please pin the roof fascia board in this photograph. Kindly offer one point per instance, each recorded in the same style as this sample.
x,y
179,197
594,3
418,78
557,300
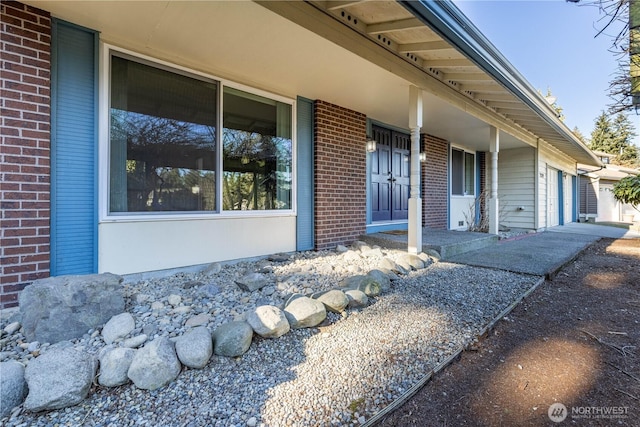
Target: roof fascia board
x,y
452,25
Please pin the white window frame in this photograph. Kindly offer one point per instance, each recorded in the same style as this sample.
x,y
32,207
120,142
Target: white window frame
x,y
104,85
475,172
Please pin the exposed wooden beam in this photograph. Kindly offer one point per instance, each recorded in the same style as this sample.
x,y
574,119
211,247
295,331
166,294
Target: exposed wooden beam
x,y
467,77
486,87
424,46
448,63
335,5
392,26
494,96
506,106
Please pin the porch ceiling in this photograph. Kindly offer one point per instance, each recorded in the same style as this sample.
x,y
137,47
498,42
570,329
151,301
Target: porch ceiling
x,y
360,55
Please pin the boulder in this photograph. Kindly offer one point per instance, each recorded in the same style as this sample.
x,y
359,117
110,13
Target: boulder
x,y
198,320
118,327
195,347
252,282
268,321
12,328
412,260
334,300
154,365
304,312
59,378
433,254
367,284
66,307
232,339
357,298
381,278
114,365
14,386
387,264
351,256
135,342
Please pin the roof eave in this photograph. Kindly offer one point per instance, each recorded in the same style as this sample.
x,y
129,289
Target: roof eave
x,y
452,25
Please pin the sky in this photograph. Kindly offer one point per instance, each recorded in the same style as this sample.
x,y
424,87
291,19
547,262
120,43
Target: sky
x,y
553,44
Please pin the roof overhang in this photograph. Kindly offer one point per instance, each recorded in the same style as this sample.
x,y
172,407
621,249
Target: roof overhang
x,y
452,58
319,51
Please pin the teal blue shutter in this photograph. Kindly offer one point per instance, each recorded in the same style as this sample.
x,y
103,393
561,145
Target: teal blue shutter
x,y
304,170
560,199
73,150
574,191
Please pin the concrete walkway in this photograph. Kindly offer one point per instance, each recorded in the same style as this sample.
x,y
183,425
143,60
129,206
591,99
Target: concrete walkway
x,y
596,230
541,254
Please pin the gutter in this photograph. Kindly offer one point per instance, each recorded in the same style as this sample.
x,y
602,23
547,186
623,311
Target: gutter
x,y
443,17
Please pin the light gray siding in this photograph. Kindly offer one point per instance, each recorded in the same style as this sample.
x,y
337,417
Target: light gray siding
x,y
516,187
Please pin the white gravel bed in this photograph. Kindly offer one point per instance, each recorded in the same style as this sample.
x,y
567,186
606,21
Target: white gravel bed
x,y
340,373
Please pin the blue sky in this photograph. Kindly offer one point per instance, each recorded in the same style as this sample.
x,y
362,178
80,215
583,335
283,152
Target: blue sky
x,y
553,44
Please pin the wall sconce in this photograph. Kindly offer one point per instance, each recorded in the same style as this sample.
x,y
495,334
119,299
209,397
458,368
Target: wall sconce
x,y
372,145
423,157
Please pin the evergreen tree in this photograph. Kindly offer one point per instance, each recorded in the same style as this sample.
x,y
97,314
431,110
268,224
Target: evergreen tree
x,y
626,151
602,135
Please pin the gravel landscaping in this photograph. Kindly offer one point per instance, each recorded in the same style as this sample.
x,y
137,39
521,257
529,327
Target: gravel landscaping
x,y
339,373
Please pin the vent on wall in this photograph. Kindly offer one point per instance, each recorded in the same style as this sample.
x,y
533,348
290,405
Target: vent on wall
x,y
460,223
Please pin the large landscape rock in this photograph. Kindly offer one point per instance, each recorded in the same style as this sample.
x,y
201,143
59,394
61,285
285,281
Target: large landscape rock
x,y
304,312
14,386
232,339
334,300
66,307
356,298
154,365
118,327
268,321
252,282
381,278
59,378
367,284
413,261
195,347
114,366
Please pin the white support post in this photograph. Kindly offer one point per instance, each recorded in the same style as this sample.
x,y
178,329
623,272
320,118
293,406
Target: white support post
x,y
494,204
415,202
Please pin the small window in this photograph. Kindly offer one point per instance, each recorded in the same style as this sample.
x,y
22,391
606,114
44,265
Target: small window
x,y
257,152
462,173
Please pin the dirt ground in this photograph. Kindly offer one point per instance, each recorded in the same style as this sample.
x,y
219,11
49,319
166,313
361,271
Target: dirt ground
x,y
573,341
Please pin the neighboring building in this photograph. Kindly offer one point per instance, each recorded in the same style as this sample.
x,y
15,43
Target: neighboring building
x,y
596,192
141,136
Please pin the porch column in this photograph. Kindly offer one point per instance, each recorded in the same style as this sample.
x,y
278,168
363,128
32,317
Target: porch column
x,y
494,205
415,202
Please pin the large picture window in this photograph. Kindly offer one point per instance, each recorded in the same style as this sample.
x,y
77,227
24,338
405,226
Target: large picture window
x,y
462,173
163,148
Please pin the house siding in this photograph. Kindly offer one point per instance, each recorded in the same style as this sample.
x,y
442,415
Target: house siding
x,y
516,189
435,182
25,46
339,175
549,157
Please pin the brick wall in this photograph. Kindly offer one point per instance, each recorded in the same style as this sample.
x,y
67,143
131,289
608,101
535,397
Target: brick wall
x,y
340,175
25,46
434,182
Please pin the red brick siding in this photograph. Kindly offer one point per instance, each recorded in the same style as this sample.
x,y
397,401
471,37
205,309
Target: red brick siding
x,y
434,182
340,175
25,46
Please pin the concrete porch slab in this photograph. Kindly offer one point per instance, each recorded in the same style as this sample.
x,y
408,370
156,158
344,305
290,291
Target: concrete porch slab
x,y
447,243
540,254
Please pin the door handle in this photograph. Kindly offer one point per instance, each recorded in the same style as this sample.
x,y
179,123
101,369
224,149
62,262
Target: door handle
x,y
391,178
